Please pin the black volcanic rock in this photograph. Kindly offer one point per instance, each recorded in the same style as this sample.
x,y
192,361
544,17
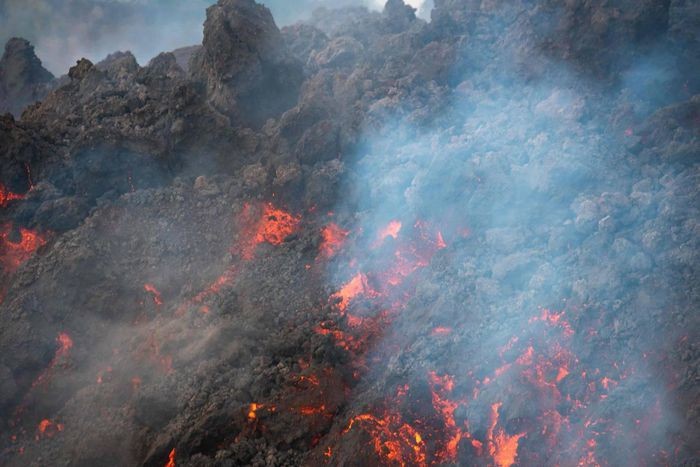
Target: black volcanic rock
x,y
249,74
23,80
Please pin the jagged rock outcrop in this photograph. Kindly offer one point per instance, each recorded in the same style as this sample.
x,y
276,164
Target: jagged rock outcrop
x,y
244,63
23,80
183,55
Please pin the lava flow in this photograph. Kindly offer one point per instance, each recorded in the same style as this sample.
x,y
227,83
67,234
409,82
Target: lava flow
x,y
272,225
171,458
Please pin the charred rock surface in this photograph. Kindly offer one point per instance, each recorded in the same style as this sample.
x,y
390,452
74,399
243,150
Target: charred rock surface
x,y
365,239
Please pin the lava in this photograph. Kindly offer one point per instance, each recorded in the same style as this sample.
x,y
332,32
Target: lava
x,y
14,253
333,238
272,226
440,388
394,441
48,429
157,298
501,446
65,344
171,458
391,230
254,407
358,286
152,352
6,196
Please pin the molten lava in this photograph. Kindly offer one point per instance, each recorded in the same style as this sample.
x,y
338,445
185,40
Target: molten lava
x,y
358,286
391,230
393,441
441,331
501,446
332,240
6,196
14,253
171,458
254,407
48,429
272,226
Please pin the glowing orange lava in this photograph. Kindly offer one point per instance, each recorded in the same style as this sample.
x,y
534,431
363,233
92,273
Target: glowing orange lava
x,y
273,226
394,441
65,344
446,447
502,447
6,196
157,298
357,287
171,458
391,230
254,407
48,429
333,239
13,254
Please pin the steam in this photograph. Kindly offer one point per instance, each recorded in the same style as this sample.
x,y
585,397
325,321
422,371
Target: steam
x,y
530,168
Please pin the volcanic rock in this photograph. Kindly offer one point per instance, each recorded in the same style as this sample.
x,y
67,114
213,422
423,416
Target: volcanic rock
x,y
23,80
244,63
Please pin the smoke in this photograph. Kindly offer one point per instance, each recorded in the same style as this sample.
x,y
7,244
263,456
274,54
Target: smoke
x,y
531,169
65,30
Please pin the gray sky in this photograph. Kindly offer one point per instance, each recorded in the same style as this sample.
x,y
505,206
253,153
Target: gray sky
x,y
66,30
